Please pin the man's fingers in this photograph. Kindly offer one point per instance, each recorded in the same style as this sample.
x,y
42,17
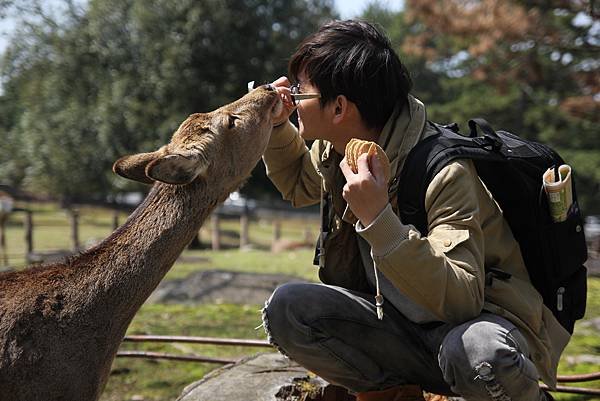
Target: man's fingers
x,y
345,191
286,98
376,167
281,85
282,82
362,164
346,170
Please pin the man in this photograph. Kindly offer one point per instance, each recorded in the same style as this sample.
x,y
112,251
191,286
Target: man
x,y
446,328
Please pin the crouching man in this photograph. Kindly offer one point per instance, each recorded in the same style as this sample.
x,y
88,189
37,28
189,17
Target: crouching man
x,y
446,327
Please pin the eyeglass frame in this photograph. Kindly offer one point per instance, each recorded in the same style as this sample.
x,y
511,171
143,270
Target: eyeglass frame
x,y
297,96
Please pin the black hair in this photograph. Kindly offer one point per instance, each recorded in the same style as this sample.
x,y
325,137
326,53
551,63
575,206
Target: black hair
x,y
355,59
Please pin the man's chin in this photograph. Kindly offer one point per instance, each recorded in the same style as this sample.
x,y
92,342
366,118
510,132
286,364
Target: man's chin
x,y
305,135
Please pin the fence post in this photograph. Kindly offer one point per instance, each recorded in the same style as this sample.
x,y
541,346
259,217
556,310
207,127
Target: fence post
x,y
216,231
74,228
115,219
276,229
28,231
3,219
198,237
244,240
308,235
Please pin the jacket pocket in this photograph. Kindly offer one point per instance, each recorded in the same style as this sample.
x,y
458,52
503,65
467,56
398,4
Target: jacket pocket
x,y
444,240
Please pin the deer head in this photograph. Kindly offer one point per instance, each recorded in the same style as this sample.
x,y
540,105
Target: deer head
x,y
225,144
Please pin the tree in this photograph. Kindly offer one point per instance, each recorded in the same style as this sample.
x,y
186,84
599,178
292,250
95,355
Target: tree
x,y
527,66
116,77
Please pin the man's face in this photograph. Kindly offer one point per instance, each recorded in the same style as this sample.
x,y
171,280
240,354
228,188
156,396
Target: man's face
x,y
312,119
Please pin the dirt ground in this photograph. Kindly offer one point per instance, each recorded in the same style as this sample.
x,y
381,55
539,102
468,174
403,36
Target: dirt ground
x,y
217,286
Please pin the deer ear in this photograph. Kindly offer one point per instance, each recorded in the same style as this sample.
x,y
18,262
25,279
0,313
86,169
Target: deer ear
x,y
176,169
133,167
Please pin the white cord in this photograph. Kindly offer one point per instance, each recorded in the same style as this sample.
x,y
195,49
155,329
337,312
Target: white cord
x,y
378,296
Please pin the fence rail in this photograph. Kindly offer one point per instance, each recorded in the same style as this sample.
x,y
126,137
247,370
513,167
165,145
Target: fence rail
x,y
184,358
572,390
197,340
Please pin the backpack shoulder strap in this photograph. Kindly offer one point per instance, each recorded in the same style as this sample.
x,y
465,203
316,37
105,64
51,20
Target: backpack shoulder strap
x,y
430,156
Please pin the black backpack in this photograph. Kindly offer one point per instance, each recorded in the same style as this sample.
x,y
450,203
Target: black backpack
x,y
512,169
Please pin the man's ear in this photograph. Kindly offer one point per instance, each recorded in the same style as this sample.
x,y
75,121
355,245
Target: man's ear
x,y
133,167
340,109
176,169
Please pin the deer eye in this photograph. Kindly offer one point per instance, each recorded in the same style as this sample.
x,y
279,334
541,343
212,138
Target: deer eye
x,y
232,119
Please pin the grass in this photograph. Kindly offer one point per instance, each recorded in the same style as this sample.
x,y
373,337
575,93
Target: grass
x,y
295,263
151,380
164,380
585,341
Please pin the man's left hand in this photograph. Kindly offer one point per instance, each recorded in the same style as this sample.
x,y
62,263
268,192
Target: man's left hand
x,y
366,191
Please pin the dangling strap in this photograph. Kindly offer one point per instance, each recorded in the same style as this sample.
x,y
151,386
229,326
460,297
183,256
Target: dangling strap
x,y
321,239
378,296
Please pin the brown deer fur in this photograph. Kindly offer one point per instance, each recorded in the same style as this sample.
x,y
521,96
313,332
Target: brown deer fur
x,y
61,324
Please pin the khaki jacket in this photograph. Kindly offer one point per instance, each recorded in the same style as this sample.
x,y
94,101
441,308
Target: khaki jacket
x,y
444,271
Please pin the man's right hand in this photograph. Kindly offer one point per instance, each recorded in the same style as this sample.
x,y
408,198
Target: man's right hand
x,y
283,87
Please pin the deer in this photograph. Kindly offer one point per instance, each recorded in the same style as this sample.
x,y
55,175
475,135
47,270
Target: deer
x,y
61,324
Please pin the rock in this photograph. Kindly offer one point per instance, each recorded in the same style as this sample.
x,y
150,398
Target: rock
x,y
263,377
270,377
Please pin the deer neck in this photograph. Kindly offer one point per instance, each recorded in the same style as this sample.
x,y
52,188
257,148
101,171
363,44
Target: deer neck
x,y
129,264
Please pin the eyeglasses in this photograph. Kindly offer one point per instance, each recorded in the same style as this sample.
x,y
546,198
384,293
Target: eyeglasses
x,y
297,96
295,92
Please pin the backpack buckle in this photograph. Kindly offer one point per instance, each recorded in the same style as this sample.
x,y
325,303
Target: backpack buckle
x,y
488,142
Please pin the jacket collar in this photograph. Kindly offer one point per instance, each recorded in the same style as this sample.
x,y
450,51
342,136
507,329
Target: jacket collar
x,y
403,130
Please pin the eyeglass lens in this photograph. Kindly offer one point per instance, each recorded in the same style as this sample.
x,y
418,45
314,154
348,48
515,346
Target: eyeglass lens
x,y
294,90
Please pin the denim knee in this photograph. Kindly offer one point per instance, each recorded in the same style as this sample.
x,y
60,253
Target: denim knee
x,y
468,345
283,313
487,358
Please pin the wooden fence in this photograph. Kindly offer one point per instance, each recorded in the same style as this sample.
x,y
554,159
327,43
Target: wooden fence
x,y
72,224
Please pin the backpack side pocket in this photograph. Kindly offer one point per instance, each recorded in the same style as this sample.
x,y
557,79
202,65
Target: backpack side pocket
x,y
565,253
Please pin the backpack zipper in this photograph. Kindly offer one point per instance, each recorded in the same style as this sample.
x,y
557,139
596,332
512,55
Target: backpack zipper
x,y
559,298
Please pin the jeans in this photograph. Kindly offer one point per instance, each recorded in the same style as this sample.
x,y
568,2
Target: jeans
x,y
335,333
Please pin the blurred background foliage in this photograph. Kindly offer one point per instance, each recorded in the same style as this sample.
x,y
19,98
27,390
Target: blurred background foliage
x,y
95,80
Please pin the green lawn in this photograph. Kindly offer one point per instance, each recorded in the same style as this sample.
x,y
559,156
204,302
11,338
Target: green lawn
x,y
164,380
296,263
136,379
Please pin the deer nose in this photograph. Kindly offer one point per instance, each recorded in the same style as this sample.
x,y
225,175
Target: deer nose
x,y
269,87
